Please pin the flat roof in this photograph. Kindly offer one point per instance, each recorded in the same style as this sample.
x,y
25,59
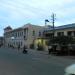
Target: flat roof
x,y
61,27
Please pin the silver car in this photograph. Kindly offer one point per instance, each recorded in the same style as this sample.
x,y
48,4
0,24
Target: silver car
x,y
70,70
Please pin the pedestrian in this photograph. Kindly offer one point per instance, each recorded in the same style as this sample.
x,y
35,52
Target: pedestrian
x,y
49,49
24,50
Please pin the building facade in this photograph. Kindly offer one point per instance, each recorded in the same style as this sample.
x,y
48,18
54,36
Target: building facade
x,y
23,36
32,35
1,40
64,30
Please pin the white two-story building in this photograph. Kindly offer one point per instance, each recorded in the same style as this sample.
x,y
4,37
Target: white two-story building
x,y
22,36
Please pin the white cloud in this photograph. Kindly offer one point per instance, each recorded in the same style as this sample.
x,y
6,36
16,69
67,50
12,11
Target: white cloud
x,y
33,8
17,11
37,9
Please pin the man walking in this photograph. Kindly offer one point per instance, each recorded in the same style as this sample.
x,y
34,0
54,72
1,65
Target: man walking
x,y
49,49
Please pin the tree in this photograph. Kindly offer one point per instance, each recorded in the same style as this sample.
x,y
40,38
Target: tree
x,y
61,40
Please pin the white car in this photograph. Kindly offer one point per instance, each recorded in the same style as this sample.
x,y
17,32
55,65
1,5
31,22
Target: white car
x,y
70,70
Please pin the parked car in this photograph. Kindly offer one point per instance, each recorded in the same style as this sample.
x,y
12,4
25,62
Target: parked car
x,y
70,70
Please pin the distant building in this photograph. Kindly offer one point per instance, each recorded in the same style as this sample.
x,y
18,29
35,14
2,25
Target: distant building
x,y
25,35
1,40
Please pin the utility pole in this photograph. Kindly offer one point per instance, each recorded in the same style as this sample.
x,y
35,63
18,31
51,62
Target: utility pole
x,y
53,23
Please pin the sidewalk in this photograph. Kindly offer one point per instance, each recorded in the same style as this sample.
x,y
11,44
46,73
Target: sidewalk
x,y
46,54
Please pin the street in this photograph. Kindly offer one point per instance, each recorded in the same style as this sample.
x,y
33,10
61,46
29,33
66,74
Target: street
x,y
13,62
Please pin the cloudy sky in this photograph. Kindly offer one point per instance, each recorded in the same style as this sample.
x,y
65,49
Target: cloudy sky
x,y
19,12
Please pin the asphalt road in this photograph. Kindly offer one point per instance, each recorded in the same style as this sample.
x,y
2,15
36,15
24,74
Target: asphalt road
x,y
13,62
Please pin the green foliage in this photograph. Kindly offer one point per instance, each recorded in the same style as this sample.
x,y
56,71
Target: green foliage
x,y
61,40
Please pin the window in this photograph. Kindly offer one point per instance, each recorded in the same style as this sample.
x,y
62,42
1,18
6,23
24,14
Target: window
x,y
39,33
15,34
21,33
60,33
21,43
24,37
33,33
24,31
69,33
18,34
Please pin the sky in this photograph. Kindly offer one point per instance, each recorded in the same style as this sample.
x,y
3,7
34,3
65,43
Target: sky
x,y
16,13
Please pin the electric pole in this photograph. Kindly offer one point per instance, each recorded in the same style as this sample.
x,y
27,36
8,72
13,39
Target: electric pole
x,y
53,23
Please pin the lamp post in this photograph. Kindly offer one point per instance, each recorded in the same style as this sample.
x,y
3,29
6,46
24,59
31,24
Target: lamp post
x,y
46,20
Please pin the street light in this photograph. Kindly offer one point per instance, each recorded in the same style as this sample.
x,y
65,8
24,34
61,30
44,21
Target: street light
x,y
46,20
